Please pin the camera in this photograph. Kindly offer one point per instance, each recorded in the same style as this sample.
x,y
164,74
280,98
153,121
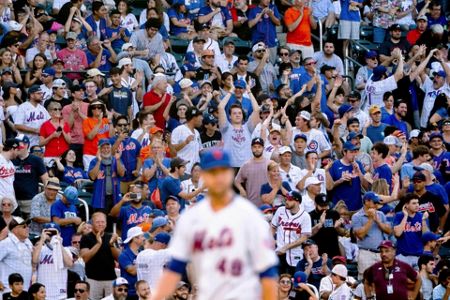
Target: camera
x,y
51,233
133,196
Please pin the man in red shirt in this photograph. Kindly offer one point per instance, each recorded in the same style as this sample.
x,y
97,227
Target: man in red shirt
x,y
157,99
391,277
414,35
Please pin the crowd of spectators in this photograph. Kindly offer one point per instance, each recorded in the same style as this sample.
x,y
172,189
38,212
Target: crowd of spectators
x,y
343,147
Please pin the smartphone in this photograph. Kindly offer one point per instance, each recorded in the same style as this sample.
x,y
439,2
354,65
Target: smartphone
x,y
51,232
133,196
59,129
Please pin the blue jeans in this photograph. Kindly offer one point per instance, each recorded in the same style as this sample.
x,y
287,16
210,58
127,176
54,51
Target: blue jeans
x,y
379,35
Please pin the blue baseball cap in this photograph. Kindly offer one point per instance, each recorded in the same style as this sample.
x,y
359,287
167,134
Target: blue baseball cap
x,y
240,84
162,237
265,208
300,277
344,108
440,74
188,68
349,146
301,136
209,119
352,135
156,213
52,226
190,57
23,138
371,54
429,236
435,135
71,194
103,142
378,72
48,72
158,222
214,158
34,89
371,196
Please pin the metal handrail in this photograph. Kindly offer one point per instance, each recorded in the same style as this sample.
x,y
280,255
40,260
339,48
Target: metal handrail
x,y
320,35
84,203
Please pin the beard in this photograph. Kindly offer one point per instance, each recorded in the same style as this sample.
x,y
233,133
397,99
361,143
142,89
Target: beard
x,y
257,154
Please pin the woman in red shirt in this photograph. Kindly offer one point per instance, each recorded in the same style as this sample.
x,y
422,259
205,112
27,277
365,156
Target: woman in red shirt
x,y
54,134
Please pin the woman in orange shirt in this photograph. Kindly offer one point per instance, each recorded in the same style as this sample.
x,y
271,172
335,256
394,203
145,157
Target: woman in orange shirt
x,y
95,127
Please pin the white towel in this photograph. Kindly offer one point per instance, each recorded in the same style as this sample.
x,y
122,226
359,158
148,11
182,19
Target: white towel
x,y
58,260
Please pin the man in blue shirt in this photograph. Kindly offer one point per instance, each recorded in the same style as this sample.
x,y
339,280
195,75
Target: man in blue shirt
x,y
370,226
382,170
115,33
99,57
120,98
171,185
396,119
218,17
130,149
64,213
409,225
375,131
346,177
127,259
263,20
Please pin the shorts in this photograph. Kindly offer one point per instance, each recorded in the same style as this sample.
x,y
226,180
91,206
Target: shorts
x,y
348,30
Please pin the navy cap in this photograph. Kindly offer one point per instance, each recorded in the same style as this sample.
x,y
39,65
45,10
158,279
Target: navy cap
x,y
371,54
172,197
193,112
9,84
209,119
52,226
294,195
214,158
344,108
418,176
198,39
103,142
395,27
300,277
349,146
11,143
429,236
440,74
240,84
23,138
378,71
435,135
156,213
162,237
258,140
371,196
190,57
34,89
187,68
48,72
353,135
308,242
301,136
321,200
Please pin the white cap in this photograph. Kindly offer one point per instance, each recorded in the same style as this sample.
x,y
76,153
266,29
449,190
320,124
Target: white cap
x,y
59,83
284,150
158,77
184,83
312,180
15,26
437,28
258,46
340,270
132,233
94,72
427,167
414,133
126,46
390,140
120,281
305,115
124,61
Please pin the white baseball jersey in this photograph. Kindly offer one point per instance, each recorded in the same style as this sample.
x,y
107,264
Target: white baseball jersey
x,y
190,152
149,265
31,116
430,97
54,279
289,229
7,171
316,140
228,249
375,90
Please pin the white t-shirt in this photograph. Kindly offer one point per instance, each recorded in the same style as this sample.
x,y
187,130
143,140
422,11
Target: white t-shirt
x,y
190,152
31,116
375,90
7,171
149,264
145,140
308,203
289,229
320,174
292,176
210,44
224,64
430,97
341,293
315,140
129,22
228,248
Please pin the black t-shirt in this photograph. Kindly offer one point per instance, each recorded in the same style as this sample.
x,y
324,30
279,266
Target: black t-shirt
x,y
210,141
101,265
27,176
22,296
327,236
299,295
387,47
63,102
205,74
2,223
429,202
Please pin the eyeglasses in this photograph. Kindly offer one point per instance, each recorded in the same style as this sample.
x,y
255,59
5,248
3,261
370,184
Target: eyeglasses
x,y
122,290
285,282
284,53
57,109
288,177
122,125
81,291
75,242
97,107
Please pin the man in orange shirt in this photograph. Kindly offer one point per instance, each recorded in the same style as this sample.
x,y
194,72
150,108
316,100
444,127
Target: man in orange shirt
x,y
299,22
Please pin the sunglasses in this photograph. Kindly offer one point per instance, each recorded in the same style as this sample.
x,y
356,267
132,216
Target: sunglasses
x,y
122,125
284,54
353,101
260,51
122,290
285,282
57,109
81,291
75,242
37,151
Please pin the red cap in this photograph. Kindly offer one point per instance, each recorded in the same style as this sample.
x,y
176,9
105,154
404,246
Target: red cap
x,y
386,244
340,259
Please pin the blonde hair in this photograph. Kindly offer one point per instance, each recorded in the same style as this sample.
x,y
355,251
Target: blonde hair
x,y
380,187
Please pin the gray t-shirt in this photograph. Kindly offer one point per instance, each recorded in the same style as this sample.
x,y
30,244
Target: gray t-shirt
x,y
266,78
427,288
374,236
253,174
237,142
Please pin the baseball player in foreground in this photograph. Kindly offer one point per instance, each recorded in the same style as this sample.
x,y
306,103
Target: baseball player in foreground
x,y
225,238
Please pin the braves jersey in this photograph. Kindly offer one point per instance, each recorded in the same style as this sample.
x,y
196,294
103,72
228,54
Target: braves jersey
x,y
7,171
289,229
228,248
31,116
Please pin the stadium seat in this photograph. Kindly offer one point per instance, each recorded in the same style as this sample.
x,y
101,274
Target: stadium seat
x,y
178,45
